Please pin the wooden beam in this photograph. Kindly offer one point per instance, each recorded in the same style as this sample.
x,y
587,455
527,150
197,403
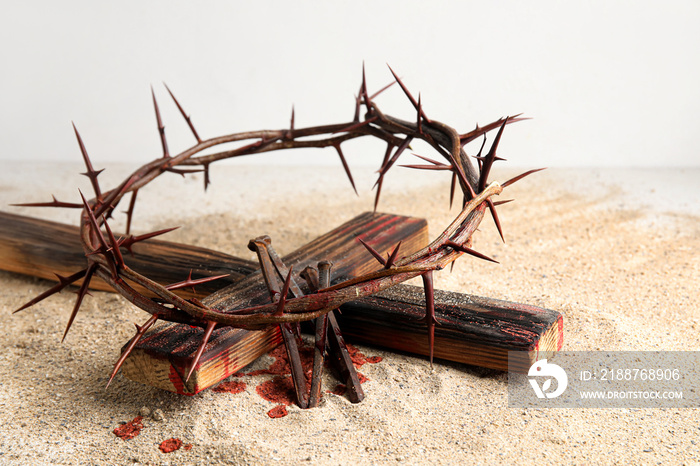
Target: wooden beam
x,y
472,330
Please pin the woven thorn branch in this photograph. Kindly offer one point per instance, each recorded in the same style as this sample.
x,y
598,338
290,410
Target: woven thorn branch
x,y
288,304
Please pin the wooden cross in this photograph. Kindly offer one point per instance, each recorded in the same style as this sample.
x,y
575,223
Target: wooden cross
x,y
472,330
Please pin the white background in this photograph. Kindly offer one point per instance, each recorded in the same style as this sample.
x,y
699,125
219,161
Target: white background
x,y
606,83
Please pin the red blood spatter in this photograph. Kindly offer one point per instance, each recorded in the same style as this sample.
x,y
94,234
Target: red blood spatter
x,y
187,446
281,388
130,429
278,390
170,445
278,412
232,386
358,359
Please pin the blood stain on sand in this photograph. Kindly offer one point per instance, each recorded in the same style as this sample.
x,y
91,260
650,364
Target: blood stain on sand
x,y
130,429
280,389
172,444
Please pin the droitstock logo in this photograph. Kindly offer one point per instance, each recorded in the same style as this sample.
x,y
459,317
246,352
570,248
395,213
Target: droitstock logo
x,y
547,371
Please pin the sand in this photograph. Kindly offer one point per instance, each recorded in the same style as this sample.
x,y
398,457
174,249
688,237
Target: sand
x,y
615,251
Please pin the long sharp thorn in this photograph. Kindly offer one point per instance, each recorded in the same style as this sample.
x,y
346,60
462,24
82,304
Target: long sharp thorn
x,y
140,331
363,88
81,294
469,251
428,167
131,240
496,220
161,128
521,176
54,203
408,94
379,183
189,282
345,166
291,121
380,180
63,282
419,112
372,97
205,339
130,210
207,181
497,203
478,131
373,252
434,162
184,115
396,155
115,247
392,258
283,294
490,158
430,310
91,172
453,186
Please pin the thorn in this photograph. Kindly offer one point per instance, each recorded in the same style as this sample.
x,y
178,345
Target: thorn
x,y
372,97
419,122
115,248
363,88
478,157
470,251
492,208
54,203
63,282
373,252
490,158
478,131
207,181
161,128
453,186
81,294
429,310
131,240
182,112
200,350
91,172
434,162
283,294
392,257
380,180
497,203
130,210
428,167
140,331
521,176
183,172
189,282
345,165
385,168
291,122
408,94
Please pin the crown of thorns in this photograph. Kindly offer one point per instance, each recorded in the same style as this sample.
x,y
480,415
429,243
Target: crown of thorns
x,y
103,249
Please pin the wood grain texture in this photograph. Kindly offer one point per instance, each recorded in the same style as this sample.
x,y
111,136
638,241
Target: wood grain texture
x,y
229,350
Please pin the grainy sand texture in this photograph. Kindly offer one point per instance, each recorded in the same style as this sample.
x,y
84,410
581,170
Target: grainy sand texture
x,y
615,251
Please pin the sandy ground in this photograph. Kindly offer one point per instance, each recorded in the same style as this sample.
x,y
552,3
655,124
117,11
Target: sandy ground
x,y
616,251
